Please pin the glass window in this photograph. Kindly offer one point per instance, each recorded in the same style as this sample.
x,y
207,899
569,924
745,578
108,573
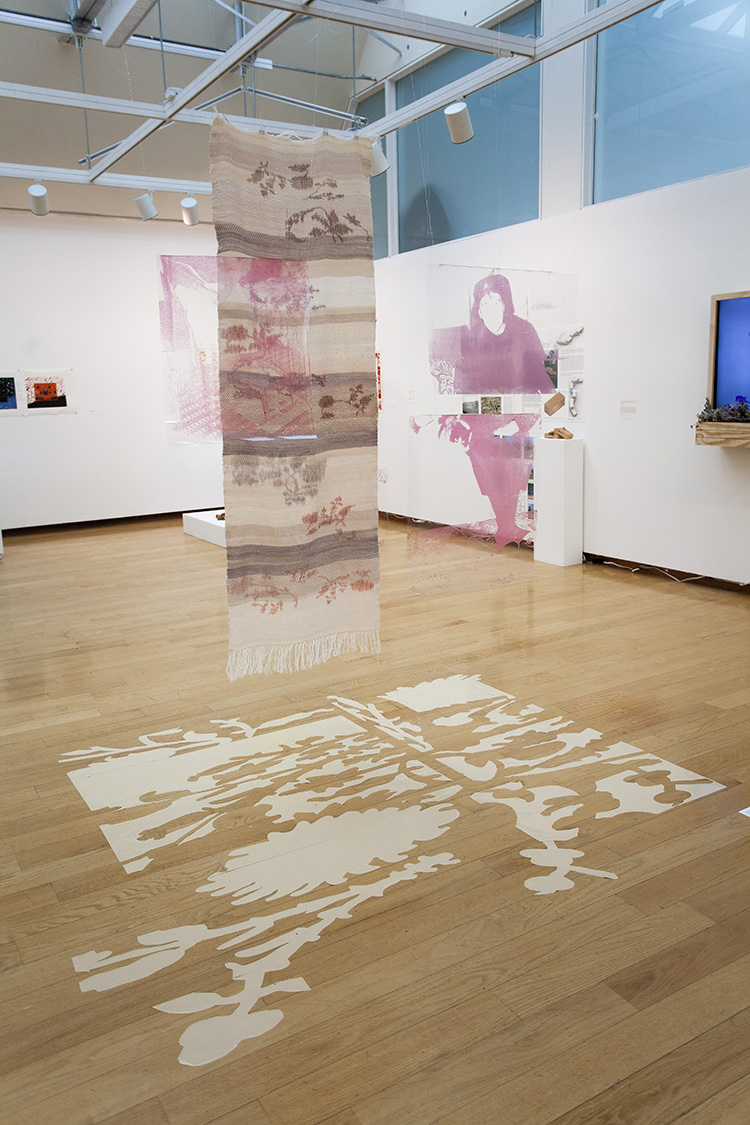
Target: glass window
x,y
372,108
449,191
673,90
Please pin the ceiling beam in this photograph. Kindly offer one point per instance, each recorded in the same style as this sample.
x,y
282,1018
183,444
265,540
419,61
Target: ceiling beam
x,y
266,30
122,19
109,179
546,46
410,24
75,100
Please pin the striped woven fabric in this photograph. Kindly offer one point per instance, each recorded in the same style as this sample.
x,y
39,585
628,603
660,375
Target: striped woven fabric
x,y
298,398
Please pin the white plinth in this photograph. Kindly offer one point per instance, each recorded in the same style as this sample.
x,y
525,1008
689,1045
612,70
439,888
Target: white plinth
x,y
558,500
204,525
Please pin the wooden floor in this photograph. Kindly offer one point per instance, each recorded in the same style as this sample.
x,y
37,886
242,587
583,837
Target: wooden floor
x,y
456,994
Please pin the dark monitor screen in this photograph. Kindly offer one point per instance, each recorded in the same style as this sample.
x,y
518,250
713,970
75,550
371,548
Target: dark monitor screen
x,y
731,348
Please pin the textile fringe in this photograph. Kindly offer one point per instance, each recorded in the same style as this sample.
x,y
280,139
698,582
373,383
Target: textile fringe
x,y
297,656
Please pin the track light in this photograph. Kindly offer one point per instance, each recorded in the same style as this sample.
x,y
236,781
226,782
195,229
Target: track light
x,y
38,199
190,216
145,205
459,122
379,161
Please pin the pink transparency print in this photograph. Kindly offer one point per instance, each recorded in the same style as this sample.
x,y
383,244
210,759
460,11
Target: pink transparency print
x,y
500,451
187,314
497,352
264,348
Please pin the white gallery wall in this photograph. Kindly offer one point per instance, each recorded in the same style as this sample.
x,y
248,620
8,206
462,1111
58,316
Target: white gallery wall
x,y
647,266
83,293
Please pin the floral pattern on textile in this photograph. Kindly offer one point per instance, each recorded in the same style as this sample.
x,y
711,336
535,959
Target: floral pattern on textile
x,y
298,177
316,222
298,478
357,402
309,222
334,515
271,595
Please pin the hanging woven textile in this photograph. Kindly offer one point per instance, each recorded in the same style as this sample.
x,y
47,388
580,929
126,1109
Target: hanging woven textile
x,y
298,398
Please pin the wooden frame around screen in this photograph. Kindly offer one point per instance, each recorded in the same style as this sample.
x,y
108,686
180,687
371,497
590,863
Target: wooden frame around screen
x,y
713,340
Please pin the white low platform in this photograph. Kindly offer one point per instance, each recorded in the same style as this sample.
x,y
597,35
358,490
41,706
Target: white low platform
x,y
204,525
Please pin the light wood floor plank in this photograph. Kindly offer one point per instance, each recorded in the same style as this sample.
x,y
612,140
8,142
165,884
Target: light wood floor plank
x,y
672,1085
657,977
728,1107
575,1076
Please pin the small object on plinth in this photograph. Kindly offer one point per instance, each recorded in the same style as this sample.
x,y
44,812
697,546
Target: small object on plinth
x,y
552,405
559,432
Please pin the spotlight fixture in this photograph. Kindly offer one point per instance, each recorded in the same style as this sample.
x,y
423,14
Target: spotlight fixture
x,y
145,205
38,200
379,160
190,216
459,122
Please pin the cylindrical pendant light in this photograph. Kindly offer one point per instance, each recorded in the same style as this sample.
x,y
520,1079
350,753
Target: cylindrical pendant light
x,y
379,162
145,205
190,216
459,122
38,199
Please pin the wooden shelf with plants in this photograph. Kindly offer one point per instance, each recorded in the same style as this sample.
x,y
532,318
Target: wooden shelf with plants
x,y
734,434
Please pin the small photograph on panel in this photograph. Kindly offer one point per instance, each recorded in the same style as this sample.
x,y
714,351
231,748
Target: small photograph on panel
x,y
46,390
8,399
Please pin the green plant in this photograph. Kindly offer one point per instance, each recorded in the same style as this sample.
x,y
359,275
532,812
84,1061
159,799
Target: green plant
x,y
737,411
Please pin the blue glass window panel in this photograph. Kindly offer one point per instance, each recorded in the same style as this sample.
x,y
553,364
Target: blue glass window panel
x,y
372,108
673,91
449,191
732,349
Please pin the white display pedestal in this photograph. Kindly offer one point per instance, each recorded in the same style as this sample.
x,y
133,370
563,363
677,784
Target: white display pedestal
x,y
204,525
558,501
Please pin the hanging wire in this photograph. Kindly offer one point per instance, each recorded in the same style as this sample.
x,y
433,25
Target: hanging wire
x,y
354,72
124,53
79,41
161,49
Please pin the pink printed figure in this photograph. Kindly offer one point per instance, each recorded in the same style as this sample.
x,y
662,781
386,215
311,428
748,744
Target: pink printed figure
x,y
498,462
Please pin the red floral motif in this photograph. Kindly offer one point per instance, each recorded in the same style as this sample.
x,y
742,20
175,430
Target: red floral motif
x,y
271,597
334,586
332,516
364,583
